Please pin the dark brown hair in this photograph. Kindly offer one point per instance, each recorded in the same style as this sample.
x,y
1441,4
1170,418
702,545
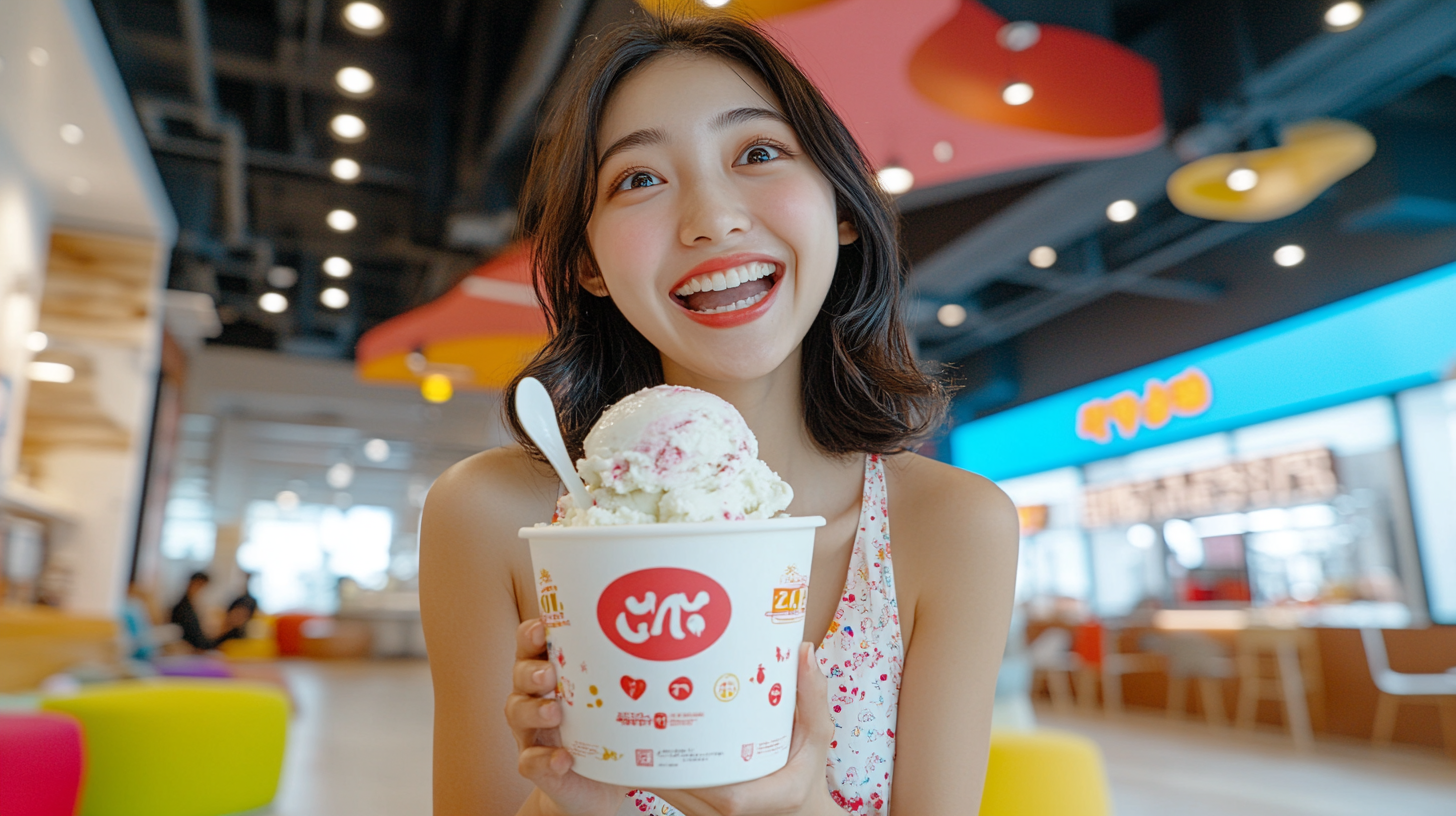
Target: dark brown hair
x,y
861,389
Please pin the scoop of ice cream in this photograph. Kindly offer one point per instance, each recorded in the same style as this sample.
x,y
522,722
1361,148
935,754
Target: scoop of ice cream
x,y
669,454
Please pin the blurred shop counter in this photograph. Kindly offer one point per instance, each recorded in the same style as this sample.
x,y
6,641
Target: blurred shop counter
x,y
393,618
37,642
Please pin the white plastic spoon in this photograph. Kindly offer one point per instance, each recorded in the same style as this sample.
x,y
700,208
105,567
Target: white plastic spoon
x,y
538,416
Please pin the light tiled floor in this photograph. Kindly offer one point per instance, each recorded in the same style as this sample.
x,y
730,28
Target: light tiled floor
x,y
360,746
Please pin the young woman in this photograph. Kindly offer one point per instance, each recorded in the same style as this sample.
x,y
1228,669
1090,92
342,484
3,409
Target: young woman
x,y
684,148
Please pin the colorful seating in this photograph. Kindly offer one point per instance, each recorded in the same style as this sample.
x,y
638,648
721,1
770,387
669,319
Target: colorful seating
x,y
40,764
1044,773
288,628
178,747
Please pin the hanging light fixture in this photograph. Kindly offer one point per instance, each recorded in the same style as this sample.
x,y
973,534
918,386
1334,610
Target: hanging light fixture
x,y
1262,185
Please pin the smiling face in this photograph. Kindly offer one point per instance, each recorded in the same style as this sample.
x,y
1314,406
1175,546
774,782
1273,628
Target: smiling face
x,y
715,235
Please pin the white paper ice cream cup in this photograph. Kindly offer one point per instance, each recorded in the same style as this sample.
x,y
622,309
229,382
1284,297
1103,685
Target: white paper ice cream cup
x,y
676,645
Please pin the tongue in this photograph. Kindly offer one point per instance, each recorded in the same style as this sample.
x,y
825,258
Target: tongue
x,y
704,301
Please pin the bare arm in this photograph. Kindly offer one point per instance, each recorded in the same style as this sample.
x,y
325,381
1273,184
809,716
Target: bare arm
x,y
961,540
469,554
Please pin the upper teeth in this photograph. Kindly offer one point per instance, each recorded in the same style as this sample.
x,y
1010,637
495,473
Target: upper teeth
x,y
726,279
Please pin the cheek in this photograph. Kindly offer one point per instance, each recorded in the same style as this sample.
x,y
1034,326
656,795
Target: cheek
x,y
627,246
801,210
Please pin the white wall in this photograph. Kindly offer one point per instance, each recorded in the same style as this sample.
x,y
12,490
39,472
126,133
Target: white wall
x,y
24,231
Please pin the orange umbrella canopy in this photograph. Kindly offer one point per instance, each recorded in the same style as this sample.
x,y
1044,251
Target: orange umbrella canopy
x,y
480,333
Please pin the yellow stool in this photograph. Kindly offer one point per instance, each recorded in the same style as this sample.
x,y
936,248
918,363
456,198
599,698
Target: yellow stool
x,y
178,747
1044,773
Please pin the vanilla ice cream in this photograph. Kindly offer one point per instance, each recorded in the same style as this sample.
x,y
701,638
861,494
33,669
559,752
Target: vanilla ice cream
x,y
672,454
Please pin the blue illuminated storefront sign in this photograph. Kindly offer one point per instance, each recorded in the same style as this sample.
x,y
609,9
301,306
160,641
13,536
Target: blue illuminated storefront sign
x,y
1385,340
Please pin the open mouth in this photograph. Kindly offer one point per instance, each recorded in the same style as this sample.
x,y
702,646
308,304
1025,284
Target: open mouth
x,y
727,290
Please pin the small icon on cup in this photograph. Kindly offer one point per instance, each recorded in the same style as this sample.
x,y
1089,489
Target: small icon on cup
x,y
680,689
659,720
644,757
726,687
747,751
775,694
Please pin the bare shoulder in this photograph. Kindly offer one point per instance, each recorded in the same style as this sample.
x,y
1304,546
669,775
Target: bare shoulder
x,y
499,486
938,496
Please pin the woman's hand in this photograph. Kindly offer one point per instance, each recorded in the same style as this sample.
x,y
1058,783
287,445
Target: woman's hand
x,y
534,720
797,788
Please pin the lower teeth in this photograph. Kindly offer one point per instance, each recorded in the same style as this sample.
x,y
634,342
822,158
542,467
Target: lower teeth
x,y
733,307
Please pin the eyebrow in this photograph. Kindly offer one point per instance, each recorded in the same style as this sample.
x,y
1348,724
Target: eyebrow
x,y
654,136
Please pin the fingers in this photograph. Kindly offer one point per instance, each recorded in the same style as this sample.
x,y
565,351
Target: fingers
x,y
811,711
542,762
530,639
527,713
533,677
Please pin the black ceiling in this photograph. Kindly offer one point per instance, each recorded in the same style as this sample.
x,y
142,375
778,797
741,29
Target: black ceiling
x,y
459,82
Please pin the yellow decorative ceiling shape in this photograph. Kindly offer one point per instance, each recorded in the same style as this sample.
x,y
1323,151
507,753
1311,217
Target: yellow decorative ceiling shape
x,y
1313,156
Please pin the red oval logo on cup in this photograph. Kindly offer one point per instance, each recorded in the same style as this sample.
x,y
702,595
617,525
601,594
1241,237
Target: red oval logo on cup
x,y
664,614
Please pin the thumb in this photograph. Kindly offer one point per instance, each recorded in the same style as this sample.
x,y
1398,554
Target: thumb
x,y
811,710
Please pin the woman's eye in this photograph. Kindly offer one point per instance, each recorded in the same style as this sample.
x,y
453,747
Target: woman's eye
x,y
758,154
641,178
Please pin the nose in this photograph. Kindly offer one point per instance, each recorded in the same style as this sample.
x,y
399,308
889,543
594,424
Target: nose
x,y
711,210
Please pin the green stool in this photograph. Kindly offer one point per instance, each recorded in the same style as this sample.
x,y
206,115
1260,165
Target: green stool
x,y
178,747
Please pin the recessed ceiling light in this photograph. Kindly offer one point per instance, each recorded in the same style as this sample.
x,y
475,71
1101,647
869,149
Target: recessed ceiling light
x,y
1018,36
943,152
1042,257
1289,255
1121,210
951,314
72,134
50,372
282,277
336,267
334,297
78,186
346,127
363,18
1017,93
345,169
37,341
1242,180
715,3
273,303
1344,16
895,179
340,475
354,80
376,450
287,500
39,57
342,220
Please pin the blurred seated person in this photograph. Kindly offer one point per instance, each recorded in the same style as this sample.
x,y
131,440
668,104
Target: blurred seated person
x,y
235,625
185,613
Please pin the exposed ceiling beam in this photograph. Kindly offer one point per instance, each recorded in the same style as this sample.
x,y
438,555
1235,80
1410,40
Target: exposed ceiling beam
x,y
279,162
1053,281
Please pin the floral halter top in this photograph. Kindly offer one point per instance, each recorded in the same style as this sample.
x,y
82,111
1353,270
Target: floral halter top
x,y
863,656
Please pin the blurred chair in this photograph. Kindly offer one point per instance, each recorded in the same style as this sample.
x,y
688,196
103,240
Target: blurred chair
x,y
1193,655
1116,663
1044,773
1051,656
1280,665
40,764
288,630
332,638
1400,687
178,747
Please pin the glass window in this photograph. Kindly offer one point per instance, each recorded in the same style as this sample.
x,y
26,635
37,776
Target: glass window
x,y
1428,418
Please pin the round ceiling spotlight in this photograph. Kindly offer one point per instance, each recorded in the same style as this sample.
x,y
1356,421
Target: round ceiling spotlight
x,y
1242,180
334,297
895,179
37,341
72,134
1017,93
376,450
1018,36
951,315
342,221
287,500
943,152
364,18
1289,255
437,388
1121,211
1344,16
282,277
340,475
346,127
715,3
354,81
50,372
1043,257
336,267
345,169
273,303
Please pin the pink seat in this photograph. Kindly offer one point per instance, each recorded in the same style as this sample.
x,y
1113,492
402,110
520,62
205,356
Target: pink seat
x,y
40,764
